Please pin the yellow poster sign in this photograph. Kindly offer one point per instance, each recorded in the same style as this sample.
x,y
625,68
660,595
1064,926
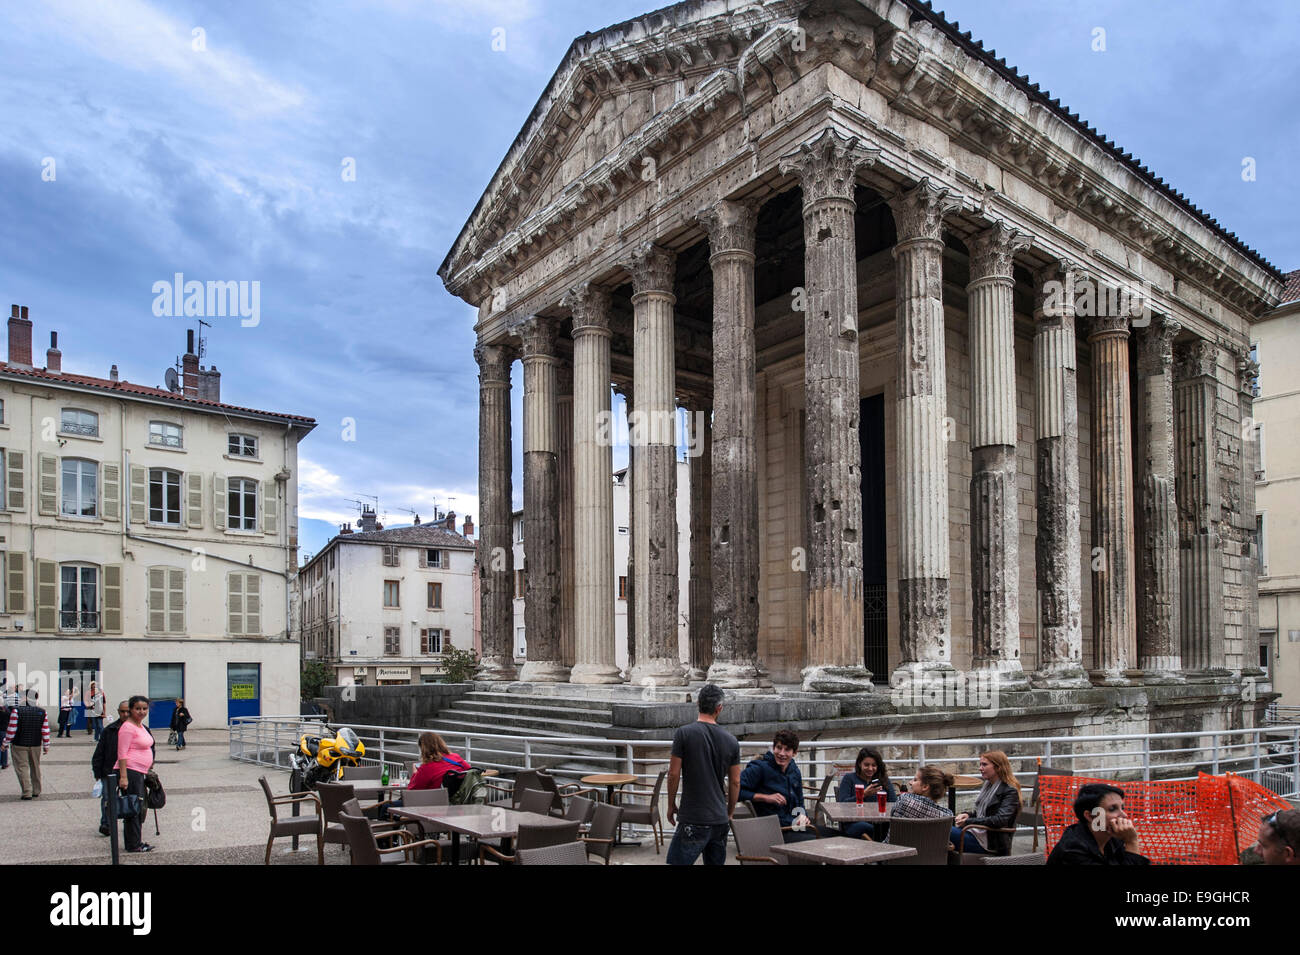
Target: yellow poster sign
x,y
243,691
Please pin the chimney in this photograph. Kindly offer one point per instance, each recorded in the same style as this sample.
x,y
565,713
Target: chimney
x,y
190,368
451,521
20,338
367,519
209,383
54,357
345,529
112,373
469,526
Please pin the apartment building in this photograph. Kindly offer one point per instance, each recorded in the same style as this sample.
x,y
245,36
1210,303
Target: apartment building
x,y
148,538
383,605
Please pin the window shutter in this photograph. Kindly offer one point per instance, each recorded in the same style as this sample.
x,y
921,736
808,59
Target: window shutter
x,y
47,501
112,598
424,641
252,605
194,500
47,595
17,496
139,495
235,603
424,557
15,574
219,504
110,502
270,508
446,641
175,600
157,599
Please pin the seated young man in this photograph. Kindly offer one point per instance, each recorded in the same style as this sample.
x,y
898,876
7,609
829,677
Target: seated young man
x,y
774,785
1104,834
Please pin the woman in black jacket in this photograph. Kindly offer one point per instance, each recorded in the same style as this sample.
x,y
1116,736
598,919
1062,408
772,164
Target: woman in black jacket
x,y
997,806
181,719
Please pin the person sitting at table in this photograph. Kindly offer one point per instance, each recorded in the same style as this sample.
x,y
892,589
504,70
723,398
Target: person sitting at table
x,y
870,772
436,761
1278,840
774,785
925,797
997,806
1104,834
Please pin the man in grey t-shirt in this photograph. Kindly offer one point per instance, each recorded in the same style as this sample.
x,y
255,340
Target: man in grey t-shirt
x,y
709,755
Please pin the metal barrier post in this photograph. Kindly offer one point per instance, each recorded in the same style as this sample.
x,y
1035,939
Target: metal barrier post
x,y
111,780
1259,769
528,754
382,758
1214,761
1146,758
630,764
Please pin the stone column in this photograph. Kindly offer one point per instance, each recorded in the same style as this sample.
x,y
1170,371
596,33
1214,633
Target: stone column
x,y
827,169
734,531
625,392
541,505
1056,434
1159,654
994,498
564,468
653,422
924,608
1248,376
496,547
700,592
593,509
1114,621
1200,511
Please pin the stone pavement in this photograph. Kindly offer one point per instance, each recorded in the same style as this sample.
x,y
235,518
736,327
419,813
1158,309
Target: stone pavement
x,y
215,813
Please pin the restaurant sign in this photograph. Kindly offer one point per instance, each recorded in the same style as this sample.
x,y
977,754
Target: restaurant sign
x,y
392,673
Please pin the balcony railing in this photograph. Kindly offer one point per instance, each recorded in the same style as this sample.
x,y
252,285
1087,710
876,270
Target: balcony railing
x,y
83,621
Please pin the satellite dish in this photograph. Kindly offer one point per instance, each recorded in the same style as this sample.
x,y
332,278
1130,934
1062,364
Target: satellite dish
x,y
170,377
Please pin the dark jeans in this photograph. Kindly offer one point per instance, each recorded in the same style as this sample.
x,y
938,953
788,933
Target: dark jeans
x,y
180,737
132,824
65,724
812,832
972,844
877,831
104,821
95,724
690,841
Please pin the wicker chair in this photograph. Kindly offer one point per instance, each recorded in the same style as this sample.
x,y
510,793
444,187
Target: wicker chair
x,y
364,842
531,837
648,815
421,829
754,840
353,773
1032,814
295,825
816,813
975,858
929,837
1026,858
580,810
604,830
535,800
333,798
568,853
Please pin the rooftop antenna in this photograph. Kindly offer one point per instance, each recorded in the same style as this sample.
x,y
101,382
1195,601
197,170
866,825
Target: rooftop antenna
x,y
203,342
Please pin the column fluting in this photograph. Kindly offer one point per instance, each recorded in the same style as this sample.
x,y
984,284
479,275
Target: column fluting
x,y
496,548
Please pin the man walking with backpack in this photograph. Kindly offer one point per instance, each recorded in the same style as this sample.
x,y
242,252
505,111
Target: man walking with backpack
x,y
29,734
710,757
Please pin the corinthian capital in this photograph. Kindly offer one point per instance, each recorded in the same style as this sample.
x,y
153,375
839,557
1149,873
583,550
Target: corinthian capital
x,y
730,225
828,166
1156,345
589,305
652,268
919,212
992,251
494,361
1054,291
538,334
1196,359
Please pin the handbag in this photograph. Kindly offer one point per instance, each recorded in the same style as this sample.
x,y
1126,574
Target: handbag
x,y
128,805
155,797
171,738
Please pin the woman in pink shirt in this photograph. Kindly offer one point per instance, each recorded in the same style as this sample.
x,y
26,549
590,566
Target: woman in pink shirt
x,y
134,759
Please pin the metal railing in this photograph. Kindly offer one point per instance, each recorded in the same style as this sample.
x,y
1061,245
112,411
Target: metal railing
x,y
1268,755
1277,713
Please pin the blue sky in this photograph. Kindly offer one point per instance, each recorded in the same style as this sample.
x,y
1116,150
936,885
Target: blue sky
x,y
226,162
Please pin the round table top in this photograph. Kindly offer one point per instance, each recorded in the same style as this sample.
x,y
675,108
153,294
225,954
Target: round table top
x,y
609,779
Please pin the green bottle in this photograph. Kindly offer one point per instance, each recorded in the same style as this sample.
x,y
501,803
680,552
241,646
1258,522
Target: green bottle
x,y
384,778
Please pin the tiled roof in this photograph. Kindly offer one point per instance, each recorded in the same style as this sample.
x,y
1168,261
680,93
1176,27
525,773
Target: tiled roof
x,y
431,535
1291,291
142,391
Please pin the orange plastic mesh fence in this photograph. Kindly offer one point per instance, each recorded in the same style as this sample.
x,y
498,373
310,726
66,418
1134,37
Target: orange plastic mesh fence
x,y
1202,821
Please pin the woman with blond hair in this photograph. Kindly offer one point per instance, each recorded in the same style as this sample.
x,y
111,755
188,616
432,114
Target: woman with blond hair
x,y
997,806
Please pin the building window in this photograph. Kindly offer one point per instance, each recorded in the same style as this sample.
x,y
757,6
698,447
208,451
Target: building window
x,y
519,583
242,446
1260,543
433,557
519,529
391,593
431,640
167,435
331,560
75,421
1259,451
241,504
2,411
164,497
390,555
1254,356
622,530
245,604
392,641
166,600
78,597
435,596
622,588
80,490
1263,657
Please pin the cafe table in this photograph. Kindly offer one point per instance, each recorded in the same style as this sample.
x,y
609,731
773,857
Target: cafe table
x,y
612,781
846,812
841,850
477,822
